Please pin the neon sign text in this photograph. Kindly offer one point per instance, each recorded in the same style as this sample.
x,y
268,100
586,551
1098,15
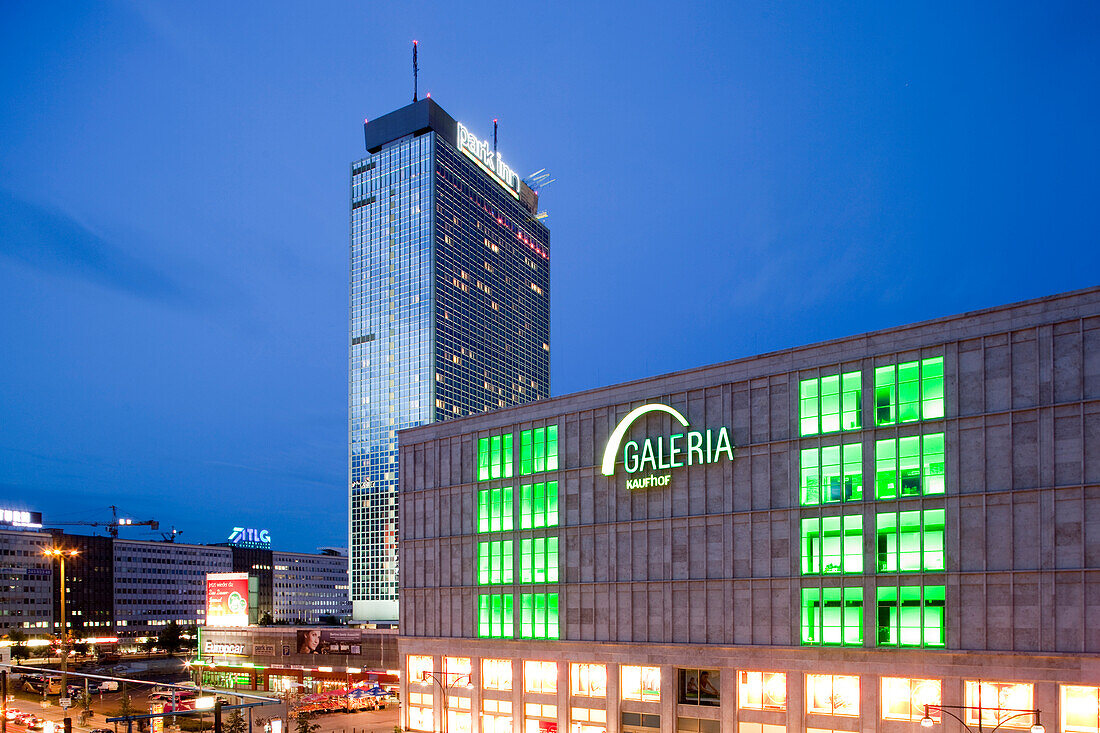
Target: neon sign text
x,y
482,153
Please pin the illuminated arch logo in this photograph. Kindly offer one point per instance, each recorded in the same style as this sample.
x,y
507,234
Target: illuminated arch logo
x,y
619,432
656,456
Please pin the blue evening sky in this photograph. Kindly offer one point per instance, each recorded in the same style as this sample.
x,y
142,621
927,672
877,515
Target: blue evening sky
x,y
732,178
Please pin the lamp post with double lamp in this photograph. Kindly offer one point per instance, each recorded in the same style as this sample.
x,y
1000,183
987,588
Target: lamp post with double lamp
x,y
61,554
445,688
1036,726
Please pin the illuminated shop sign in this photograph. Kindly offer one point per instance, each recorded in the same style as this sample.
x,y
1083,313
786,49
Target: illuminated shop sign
x,y
482,153
17,518
663,453
219,648
248,537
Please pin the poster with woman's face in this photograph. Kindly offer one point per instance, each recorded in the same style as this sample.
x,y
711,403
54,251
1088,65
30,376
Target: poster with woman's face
x,y
329,641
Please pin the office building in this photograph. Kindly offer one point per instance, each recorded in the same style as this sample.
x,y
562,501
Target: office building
x,y
449,311
846,536
310,589
26,601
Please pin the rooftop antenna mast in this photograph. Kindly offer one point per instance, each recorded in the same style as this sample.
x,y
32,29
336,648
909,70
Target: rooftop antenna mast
x,y
494,136
415,71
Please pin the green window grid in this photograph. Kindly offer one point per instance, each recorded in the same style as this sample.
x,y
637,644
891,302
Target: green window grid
x,y
909,466
538,505
832,616
831,474
494,562
494,616
538,560
832,545
494,510
538,450
538,615
494,457
909,392
910,542
830,404
907,619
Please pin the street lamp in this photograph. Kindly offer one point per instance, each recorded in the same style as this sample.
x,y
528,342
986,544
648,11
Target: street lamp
x,y
1036,726
444,688
61,554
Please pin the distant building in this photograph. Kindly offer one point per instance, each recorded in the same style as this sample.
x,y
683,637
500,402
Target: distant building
x,y
26,599
449,311
310,589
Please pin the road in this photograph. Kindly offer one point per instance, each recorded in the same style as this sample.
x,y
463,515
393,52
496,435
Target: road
x,y
107,705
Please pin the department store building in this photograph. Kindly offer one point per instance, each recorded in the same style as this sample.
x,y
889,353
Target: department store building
x,y
847,536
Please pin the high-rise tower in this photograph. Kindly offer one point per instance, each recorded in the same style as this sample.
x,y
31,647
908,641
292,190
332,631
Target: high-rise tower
x,y
449,311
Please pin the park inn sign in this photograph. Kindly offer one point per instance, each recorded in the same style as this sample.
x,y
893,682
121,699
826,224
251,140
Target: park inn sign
x,y
662,453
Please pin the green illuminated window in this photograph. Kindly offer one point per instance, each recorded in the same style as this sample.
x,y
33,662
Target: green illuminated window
x,y
910,541
538,560
494,509
494,616
494,562
829,404
832,616
538,450
538,505
907,619
494,457
832,545
909,392
538,615
831,474
909,466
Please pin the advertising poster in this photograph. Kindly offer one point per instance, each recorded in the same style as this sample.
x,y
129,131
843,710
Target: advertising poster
x,y
227,599
699,686
156,725
330,641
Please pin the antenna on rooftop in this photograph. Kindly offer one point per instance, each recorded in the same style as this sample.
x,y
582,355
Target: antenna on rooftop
x,y
415,70
494,136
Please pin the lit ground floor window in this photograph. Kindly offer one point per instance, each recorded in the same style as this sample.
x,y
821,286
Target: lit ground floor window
x,y
999,703
762,690
832,694
1080,709
760,728
587,720
904,698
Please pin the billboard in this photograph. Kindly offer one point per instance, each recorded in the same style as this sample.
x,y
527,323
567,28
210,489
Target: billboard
x,y
329,641
227,599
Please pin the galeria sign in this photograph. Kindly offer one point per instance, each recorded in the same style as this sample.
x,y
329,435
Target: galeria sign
x,y
663,453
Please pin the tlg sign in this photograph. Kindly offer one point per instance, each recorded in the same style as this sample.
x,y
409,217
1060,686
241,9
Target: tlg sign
x,y
249,537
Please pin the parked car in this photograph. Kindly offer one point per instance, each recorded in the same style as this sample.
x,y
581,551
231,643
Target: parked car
x,y
104,686
101,730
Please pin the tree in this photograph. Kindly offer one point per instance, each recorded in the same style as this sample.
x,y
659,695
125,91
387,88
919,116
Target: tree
x,y
265,619
302,725
235,723
125,705
170,638
18,641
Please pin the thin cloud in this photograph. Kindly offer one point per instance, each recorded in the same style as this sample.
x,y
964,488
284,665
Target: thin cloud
x,y
52,241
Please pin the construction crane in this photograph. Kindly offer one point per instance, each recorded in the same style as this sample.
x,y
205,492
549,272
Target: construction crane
x,y
116,522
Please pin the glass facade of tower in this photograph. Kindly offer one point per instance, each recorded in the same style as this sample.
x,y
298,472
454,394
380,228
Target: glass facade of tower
x,y
449,316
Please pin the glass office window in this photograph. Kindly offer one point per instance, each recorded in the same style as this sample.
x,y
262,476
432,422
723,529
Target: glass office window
x,y
539,560
494,510
832,616
829,404
494,457
494,616
762,690
907,699
910,466
831,474
910,541
997,701
588,680
641,683
910,615
699,687
832,694
539,616
909,392
496,674
1080,709
538,505
538,450
540,676
832,545
420,666
494,562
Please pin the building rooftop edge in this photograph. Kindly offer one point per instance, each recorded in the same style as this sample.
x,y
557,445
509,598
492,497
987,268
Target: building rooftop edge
x,y
484,420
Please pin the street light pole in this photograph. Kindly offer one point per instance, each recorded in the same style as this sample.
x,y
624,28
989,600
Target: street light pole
x,y
60,555
1036,726
444,688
